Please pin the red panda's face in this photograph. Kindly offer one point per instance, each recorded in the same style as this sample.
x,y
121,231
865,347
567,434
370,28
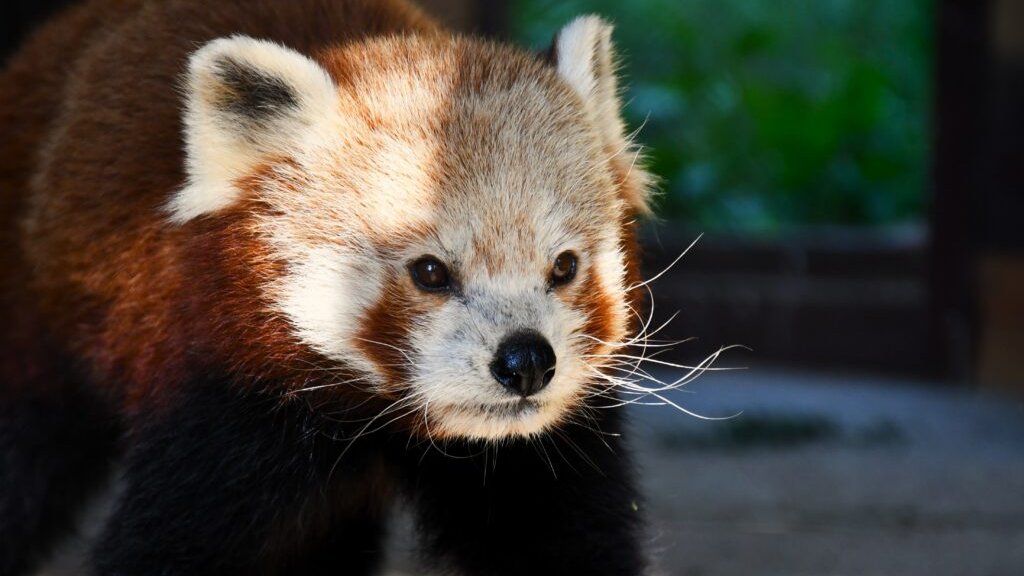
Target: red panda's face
x,y
450,222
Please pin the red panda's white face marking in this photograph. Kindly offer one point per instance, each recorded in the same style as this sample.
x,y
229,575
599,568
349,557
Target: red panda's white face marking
x,y
492,167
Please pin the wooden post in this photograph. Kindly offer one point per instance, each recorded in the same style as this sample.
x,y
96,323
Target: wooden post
x,y
961,86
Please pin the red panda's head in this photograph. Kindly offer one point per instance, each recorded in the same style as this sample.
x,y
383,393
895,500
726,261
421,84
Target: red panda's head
x,y
453,218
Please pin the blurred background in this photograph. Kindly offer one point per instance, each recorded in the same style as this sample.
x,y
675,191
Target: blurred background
x,y
856,170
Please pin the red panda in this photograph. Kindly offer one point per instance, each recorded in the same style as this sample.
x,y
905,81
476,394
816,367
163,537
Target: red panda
x,y
292,261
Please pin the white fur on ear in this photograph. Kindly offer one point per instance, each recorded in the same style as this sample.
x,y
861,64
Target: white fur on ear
x,y
246,99
583,56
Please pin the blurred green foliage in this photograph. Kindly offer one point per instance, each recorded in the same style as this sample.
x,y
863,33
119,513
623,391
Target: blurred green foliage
x,y
765,114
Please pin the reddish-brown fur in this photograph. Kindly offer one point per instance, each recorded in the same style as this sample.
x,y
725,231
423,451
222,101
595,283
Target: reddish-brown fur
x,y
387,328
102,270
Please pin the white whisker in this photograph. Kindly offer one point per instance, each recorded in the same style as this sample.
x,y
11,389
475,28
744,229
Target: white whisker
x,y
669,267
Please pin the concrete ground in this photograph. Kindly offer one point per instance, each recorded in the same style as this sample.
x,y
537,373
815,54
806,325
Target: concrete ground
x,y
825,475
835,475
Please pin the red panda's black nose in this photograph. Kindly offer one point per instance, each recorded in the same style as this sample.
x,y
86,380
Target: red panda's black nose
x,y
524,362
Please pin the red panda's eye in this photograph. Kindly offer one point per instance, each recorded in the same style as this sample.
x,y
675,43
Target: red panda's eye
x,y
564,269
430,274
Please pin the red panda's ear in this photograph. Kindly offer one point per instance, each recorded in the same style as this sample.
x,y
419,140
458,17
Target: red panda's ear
x,y
245,100
584,58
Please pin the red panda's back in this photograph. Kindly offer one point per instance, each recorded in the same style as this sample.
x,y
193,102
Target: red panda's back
x,y
32,88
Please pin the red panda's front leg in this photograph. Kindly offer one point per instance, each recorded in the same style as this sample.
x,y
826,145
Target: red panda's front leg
x,y
229,483
563,504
